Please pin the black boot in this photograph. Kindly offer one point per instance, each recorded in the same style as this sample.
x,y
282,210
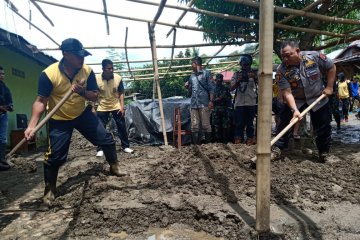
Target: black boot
x,y
195,138
50,178
3,164
111,158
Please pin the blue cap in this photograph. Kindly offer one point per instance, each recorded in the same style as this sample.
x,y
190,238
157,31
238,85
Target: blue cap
x,y
73,45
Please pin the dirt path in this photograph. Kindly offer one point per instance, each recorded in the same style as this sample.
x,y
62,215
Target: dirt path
x,y
195,193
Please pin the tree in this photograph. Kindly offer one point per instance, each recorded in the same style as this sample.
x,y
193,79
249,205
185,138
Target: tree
x,y
337,8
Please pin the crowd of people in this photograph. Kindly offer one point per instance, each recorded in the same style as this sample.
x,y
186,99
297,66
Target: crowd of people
x,y
216,115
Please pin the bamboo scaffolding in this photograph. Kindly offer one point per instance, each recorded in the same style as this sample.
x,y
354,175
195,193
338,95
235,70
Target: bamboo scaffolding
x,y
126,54
242,19
307,8
219,51
42,12
247,37
337,42
266,33
290,11
181,17
169,59
158,46
15,10
106,18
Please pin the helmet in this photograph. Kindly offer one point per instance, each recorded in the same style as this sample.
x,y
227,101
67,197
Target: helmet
x,y
245,59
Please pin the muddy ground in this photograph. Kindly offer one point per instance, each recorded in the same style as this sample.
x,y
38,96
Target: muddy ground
x,y
205,192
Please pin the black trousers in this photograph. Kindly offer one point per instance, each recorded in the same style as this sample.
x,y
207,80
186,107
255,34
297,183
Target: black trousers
x,y
320,120
60,132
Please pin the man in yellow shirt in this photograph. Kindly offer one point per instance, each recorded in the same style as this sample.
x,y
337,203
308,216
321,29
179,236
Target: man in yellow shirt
x,y
55,81
111,101
345,95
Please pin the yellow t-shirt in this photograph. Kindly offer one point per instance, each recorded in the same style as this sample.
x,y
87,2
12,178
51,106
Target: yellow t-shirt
x,y
75,105
343,90
108,99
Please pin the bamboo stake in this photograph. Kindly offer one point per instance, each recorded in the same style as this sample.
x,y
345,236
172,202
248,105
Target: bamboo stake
x,y
292,123
266,33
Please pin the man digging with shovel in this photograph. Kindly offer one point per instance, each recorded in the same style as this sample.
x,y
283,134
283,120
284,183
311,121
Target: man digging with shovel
x,y
72,79
301,84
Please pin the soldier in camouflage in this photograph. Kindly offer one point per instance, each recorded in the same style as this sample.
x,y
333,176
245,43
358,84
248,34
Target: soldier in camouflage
x,y
221,113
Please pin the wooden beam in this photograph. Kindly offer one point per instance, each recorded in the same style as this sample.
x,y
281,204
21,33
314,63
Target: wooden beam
x,y
126,54
181,17
42,12
307,8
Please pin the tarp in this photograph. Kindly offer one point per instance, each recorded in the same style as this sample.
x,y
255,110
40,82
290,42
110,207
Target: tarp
x,y
144,123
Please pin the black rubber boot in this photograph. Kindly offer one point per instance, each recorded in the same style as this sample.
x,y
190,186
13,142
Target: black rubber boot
x,y
50,178
3,164
111,158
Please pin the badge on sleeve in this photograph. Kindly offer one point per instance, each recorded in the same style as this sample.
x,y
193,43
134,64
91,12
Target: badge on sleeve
x,y
322,56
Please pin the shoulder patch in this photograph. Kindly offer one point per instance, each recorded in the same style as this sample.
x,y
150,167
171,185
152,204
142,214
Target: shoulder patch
x,y
322,56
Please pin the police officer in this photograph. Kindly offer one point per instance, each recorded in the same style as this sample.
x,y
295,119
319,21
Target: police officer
x,y
221,114
245,84
301,84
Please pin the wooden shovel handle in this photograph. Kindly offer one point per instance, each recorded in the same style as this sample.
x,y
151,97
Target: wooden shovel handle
x,y
292,123
43,121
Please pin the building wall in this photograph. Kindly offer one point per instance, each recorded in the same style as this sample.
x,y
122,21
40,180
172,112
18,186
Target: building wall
x,y
21,76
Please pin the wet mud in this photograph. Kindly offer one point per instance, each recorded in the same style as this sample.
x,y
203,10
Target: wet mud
x,y
197,192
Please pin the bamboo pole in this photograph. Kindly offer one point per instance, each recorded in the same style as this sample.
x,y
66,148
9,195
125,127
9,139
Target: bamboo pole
x,y
290,11
181,17
169,59
126,54
266,33
242,19
307,8
42,12
158,46
106,18
156,70
172,54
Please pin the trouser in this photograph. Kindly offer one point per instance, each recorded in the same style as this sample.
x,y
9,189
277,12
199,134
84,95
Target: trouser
x,y
220,120
3,127
244,117
60,132
320,120
200,117
120,125
345,107
352,102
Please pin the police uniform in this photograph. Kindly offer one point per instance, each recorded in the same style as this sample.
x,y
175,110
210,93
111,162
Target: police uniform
x,y
305,82
109,93
54,84
245,104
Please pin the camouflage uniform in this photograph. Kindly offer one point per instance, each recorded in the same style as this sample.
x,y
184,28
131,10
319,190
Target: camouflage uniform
x,y
221,114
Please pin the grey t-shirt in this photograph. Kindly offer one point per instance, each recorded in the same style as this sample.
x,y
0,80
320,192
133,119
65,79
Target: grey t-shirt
x,y
306,79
